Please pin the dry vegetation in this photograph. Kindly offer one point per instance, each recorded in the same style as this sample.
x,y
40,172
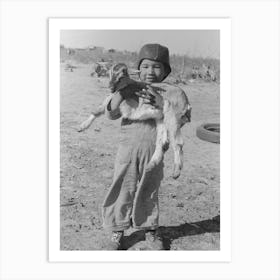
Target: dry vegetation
x,y
181,65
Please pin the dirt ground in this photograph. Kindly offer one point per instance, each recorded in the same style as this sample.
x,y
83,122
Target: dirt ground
x,y
189,206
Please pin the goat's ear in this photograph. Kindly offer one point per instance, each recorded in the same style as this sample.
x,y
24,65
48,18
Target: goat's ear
x,y
125,71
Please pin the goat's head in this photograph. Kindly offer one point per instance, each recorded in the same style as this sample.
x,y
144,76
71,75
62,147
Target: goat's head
x,y
116,73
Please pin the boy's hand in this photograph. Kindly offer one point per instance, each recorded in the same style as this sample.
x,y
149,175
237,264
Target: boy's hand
x,y
86,124
151,97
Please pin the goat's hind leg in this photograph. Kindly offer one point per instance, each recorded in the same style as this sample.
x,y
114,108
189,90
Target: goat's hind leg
x,y
161,140
177,143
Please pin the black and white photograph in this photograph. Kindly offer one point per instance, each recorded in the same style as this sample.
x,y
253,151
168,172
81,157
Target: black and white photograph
x,y
140,140
146,169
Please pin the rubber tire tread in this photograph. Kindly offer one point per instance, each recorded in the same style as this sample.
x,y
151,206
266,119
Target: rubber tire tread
x,y
203,132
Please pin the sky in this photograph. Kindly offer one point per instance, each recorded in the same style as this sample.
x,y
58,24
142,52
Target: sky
x,y
201,43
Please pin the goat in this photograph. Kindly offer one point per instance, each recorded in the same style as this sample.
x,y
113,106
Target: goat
x,y
175,113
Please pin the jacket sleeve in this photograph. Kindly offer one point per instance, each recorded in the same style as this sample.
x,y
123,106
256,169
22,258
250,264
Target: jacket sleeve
x,y
111,114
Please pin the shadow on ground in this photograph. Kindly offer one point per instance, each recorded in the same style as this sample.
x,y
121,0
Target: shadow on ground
x,y
171,233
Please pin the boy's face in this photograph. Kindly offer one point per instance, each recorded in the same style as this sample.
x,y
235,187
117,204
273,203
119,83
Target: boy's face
x,y
151,71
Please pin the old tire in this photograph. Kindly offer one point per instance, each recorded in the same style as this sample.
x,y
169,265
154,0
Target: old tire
x,y
209,132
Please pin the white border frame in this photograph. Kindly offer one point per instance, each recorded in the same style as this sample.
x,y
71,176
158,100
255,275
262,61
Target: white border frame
x,y
24,167
55,25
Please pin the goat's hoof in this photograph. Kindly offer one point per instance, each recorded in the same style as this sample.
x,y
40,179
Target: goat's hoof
x,y
165,147
176,173
150,166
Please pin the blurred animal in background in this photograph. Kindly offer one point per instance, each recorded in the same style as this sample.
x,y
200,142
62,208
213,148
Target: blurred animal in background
x,y
69,67
207,73
211,74
100,69
195,72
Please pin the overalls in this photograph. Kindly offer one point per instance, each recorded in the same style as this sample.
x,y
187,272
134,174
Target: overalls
x,y
133,196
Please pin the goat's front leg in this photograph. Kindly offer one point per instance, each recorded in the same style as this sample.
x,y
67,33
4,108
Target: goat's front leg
x,y
100,110
86,124
161,141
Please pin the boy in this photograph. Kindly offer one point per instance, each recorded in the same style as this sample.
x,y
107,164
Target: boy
x,y
133,197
